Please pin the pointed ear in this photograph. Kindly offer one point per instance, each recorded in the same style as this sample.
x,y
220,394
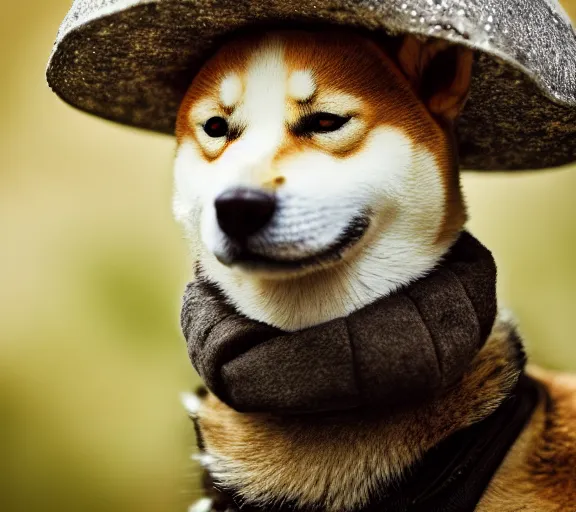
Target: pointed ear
x,y
439,72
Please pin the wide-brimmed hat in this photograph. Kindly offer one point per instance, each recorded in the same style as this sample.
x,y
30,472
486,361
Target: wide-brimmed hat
x,y
131,61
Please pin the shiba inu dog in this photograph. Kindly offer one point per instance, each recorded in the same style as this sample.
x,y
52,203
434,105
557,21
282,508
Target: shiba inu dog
x,y
316,172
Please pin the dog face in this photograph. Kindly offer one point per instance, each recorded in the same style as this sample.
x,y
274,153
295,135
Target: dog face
x,y
310,175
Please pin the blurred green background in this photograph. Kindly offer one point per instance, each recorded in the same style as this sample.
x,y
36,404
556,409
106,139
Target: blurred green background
x,y
92,269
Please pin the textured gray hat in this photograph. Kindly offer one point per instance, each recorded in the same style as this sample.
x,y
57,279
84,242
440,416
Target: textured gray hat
x,y
131,61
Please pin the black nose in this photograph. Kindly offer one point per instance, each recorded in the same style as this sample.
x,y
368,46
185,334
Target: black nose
x,y
241,212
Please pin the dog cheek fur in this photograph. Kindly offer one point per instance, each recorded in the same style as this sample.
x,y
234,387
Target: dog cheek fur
x,y
194,185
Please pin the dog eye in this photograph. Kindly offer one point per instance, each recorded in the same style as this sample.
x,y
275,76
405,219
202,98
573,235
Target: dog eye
x,y
216,127
321,122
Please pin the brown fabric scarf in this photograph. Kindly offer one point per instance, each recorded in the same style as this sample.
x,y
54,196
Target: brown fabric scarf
x,y
402,348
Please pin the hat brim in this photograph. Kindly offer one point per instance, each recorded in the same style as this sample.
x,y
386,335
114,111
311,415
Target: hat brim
x,y
131,61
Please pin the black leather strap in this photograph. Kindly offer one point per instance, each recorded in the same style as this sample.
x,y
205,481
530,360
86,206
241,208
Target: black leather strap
x,y
453,476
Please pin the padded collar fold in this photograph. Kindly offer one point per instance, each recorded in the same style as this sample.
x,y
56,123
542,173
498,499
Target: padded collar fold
x,y
403,348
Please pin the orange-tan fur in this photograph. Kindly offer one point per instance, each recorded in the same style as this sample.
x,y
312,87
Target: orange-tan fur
x,y
539,473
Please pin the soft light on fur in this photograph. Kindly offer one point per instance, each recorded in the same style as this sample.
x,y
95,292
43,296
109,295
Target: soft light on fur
x,y
540,469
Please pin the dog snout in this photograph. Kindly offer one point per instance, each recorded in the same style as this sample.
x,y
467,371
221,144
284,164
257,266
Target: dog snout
x,y
242,212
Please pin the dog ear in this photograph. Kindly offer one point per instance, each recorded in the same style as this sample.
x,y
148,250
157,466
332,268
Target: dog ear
x,y
439,72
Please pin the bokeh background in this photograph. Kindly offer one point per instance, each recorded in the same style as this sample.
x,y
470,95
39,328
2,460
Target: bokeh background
x,y
92,268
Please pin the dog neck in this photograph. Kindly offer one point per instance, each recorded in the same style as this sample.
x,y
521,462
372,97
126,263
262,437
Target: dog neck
x,y
330,461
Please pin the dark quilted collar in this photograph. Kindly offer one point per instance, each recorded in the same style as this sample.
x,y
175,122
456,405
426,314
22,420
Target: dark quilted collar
x,y
403,348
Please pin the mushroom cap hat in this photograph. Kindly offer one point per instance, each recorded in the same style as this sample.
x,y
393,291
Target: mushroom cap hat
x,y
131,61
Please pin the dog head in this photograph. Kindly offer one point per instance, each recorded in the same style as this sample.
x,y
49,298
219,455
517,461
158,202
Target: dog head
x,y
315,171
